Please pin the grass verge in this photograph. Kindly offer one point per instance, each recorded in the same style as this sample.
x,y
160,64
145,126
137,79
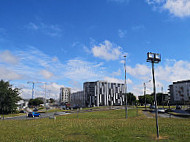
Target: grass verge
x,y
99,126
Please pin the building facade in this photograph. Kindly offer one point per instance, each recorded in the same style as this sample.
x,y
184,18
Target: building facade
x,y
65,95
180,92
101,93
78,99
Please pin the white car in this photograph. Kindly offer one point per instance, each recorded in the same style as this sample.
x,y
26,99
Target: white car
x,y
161,110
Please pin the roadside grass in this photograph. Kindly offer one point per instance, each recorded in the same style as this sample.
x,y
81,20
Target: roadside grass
x,y
12,115
98,126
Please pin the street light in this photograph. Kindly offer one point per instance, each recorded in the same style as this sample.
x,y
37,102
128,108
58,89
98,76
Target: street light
x,y
154,58
145,92
125,88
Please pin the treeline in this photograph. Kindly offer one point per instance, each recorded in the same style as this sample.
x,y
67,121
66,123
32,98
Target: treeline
x,y
161,99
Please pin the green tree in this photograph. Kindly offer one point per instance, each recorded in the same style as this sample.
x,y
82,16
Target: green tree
x,y
35,102
161,98
8,98
131,99
149,99
51,100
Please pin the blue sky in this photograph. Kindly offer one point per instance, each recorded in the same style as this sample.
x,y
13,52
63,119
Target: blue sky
x,y
68,42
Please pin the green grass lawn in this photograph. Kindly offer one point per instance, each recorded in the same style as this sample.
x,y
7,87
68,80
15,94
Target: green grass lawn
x,y
12,115
99,126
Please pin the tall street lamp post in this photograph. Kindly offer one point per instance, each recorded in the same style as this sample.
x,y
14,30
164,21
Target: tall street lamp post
x,y
145,92
125,89
154,58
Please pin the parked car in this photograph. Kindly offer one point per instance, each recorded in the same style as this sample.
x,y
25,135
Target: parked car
x,y
161,110
178,107
35,109
33,114
152,107
22,111
76,107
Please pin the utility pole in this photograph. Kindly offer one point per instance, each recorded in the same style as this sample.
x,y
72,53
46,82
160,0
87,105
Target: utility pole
x,y
162,90
125,89
145,92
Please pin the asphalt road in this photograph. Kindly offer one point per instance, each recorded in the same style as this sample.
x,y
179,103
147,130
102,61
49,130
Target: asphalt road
x,y
42,115
163,115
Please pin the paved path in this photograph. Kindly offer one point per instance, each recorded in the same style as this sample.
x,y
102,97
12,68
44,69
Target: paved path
x,y
163,115
51,114
42,115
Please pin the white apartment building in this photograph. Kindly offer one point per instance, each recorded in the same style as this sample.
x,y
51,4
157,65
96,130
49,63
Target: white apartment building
x,y
65,95
180,92
102,93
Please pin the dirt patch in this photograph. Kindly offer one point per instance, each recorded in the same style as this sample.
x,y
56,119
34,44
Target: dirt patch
x,y
154,137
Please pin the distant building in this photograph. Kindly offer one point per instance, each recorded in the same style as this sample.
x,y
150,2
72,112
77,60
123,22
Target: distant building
x,y
65,95
22,104
78,99
180,92
101,93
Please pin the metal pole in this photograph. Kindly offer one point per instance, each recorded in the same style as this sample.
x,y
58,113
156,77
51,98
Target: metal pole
x,y
162,90
145,94
32,90
45,95
155,100
125,90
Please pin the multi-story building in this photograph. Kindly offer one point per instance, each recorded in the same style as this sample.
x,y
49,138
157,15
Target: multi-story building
x,y
65,95
180,92
101,93
78,99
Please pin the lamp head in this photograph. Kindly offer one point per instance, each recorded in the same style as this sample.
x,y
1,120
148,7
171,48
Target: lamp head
x,y
153,57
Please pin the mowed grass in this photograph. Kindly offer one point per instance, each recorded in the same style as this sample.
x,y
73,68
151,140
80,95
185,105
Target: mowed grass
x,y
99,126
12,115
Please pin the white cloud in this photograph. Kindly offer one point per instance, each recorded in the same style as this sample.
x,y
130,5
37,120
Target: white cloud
x,y
52,90
115,80
165,74
46,74
179,8
83,70
7,57
122,33
87,50
8,74
107,51
139,71
34,65
170,72
179,70
155,1
117,73
51,30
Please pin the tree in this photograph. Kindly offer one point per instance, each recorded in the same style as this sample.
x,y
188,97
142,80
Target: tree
x,y
161,98
35,102
149,99
8,98
51,100
131,99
